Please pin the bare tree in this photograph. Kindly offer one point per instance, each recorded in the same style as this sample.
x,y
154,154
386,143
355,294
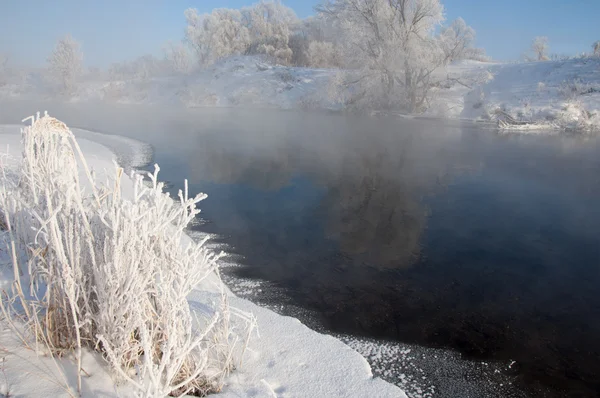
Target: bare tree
x,y
390,47
322,54
66,63
178,57
3,68
309,30
539,47
596,47
456,40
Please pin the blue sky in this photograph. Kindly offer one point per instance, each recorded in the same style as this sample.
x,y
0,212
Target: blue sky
x,y
113,30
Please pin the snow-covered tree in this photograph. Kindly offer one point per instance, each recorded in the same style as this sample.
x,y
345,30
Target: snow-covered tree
x,y
66,63
456,40
3,68
147,66
476,54
216,35
309,30
322,54
269,24
299,43
390,46
596,47
141,68
178,57
539,47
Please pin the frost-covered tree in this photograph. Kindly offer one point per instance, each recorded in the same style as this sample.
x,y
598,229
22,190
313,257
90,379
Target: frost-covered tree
x,y
146,67
457,41
141,68
540,47
596,47
391,48
3,68
66,63
322,54
476,54
299,43
306,31
216,35
264,28
178,57
269,24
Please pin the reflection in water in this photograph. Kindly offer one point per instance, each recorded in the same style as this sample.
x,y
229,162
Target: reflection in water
x,y
231,164
371,203
372,206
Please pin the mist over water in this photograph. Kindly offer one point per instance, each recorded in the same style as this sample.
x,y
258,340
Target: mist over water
x,y
436,235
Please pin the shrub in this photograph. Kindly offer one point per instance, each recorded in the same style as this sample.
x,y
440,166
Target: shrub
x,y
574,88
66,64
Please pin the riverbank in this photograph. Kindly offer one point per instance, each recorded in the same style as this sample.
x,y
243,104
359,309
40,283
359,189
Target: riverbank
x,y
284,359
526,96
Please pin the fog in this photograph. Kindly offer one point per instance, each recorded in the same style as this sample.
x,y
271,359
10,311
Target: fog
x,y
375,170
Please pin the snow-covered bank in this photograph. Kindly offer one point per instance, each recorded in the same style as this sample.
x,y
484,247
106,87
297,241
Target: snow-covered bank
x,y
551,94
241,81
288,359
562,94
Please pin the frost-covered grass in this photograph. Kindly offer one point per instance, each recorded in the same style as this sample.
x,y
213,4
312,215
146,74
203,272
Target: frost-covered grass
x,y
96,270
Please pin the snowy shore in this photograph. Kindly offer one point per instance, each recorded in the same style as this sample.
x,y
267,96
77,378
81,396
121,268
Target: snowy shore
x,y
285,359
561,94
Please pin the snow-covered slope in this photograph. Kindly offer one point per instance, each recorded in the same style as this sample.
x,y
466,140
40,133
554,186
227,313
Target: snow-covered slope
x,y
551,94
244,81
564,94
285,359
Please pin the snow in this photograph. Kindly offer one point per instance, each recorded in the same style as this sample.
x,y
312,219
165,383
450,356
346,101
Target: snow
x,y
552,94
561,94
245,81
285,358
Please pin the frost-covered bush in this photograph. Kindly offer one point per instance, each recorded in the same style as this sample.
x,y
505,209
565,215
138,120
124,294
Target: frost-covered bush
x,y
322,55
574,115
476,54
574,88
112,273
142,68
306,31
178,57
3,69
65,64
194,96
596,48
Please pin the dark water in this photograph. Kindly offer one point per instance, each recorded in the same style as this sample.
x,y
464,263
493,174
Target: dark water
x,y
424,233
420,232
